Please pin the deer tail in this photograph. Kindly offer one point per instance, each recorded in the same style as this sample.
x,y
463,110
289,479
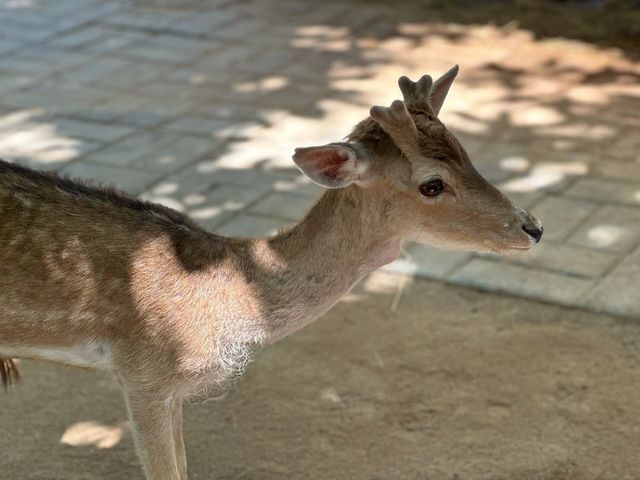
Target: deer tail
x,y
8,372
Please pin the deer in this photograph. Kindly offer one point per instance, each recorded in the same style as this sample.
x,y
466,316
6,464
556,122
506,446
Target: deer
x,y
93,277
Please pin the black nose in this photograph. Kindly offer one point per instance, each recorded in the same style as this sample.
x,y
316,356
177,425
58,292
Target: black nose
x,y
533,231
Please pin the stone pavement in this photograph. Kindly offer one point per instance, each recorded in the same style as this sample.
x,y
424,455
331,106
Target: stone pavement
x,y
199,105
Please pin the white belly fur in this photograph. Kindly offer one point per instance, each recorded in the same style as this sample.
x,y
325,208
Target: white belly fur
x,y
92,354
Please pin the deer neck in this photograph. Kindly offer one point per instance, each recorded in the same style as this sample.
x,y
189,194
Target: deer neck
x,y
310,267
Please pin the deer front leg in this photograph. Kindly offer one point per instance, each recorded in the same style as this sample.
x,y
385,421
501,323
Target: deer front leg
x,y
152,424
178,440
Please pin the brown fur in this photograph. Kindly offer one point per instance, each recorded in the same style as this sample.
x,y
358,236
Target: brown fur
x,y
90,276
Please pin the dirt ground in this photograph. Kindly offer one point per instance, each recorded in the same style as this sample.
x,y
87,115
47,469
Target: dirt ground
x,y
453,384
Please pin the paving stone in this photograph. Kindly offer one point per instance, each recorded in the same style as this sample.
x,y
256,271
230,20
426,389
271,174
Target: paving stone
x,y
245,28
55,99
10,82
163,89
173,154
233,54
54,58
616,169
96,69
199,124
127,151
159,54
613,228
132,76
288,206
49,156
251,226
627,146
194,179
152,112
521,167
204,174
205,22
472,144
128,180
112,110
92,131
81,38
520,280
568,259
200,76
618,292
9,45
299,184
488,162
605,191
116,42
270,60
145,117
560,216
26,65
31,132
525,199
27,36
210,208
150,20
228,111
427,262
187,45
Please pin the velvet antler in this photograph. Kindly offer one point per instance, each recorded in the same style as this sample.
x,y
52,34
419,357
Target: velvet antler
x,y
416,94
425,94
421,95
397,122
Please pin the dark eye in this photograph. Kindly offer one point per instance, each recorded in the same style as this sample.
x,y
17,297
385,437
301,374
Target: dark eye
x,y
432,188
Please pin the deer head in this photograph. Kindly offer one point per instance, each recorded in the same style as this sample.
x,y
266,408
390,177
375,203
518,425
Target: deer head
x,y
405,159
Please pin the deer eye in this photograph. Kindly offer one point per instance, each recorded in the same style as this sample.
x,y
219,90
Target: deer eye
x,y
432,188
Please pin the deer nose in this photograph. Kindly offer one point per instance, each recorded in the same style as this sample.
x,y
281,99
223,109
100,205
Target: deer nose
x,y
533,231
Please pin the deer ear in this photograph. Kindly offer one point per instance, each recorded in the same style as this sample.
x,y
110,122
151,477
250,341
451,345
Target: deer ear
x,y
441,88
331,166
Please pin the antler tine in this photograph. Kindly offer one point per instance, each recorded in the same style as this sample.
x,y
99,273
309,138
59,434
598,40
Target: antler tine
x,y
397,122
416,94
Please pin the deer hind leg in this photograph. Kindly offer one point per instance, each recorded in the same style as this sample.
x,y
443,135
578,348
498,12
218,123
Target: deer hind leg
x,y
178,439
8,372
152,425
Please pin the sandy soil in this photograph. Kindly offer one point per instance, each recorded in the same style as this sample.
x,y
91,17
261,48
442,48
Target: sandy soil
x,y
452,385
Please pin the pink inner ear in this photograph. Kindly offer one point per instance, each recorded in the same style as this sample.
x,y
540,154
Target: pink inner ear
x,y
329,162
328,166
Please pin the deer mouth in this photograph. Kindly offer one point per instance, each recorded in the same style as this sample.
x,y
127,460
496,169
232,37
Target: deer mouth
x,y
513,249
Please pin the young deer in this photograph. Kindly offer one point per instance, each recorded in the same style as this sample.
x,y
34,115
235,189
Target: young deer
x,y
92,277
